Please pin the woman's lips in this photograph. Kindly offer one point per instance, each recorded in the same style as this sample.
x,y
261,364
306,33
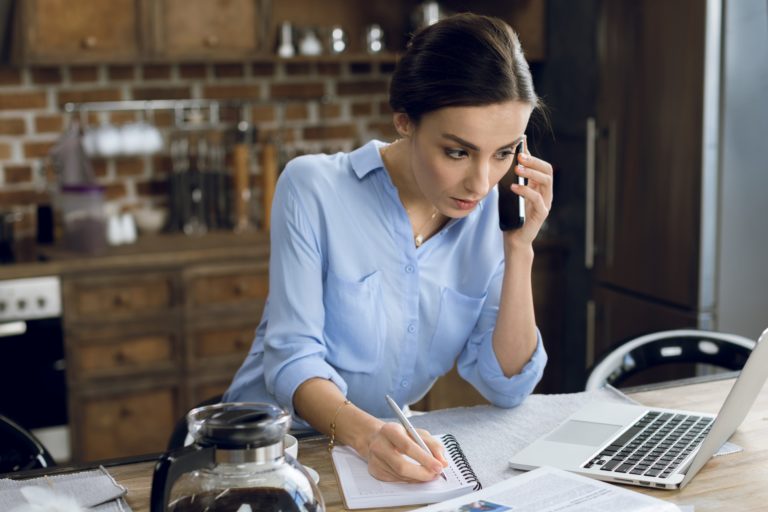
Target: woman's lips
x,y
463,204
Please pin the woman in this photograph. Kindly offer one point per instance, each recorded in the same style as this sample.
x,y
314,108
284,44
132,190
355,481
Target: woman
x,y
388,264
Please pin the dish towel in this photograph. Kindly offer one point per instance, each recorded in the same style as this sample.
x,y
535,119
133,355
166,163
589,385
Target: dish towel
x,y
93,490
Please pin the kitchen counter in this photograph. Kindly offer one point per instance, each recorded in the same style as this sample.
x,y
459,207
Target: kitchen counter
x,y
149,250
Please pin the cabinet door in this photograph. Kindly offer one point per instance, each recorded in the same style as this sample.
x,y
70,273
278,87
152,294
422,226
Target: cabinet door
x,y
57,31
126,423
649,151
207,28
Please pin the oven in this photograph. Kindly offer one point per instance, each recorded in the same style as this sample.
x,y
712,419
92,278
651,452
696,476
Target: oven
x,y
33,389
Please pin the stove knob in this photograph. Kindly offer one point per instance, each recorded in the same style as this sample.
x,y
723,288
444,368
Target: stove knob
x,y
2,306
21,304
41,302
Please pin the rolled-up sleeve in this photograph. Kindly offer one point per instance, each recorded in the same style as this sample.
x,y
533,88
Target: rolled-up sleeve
x,y
294,346
478,363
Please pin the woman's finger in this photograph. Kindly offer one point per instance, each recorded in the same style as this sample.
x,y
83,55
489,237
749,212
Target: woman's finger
x,y
539,177
532,197
425,467
531,161
381,471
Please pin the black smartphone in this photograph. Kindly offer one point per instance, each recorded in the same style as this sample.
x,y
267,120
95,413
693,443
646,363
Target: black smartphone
x,y
511,205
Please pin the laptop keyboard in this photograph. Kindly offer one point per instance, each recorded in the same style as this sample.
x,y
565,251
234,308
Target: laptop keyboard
x,y
654,446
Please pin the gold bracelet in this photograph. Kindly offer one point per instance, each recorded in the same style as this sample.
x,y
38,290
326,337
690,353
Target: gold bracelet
x,y
333,425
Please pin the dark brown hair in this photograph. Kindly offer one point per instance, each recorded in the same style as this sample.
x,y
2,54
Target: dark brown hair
x,y
462,60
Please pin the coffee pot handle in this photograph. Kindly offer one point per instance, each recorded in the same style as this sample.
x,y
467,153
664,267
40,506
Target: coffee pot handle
x,y
171,466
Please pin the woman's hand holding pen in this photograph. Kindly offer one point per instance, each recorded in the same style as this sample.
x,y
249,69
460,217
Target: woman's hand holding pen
x,y
537,194
385,455
381,444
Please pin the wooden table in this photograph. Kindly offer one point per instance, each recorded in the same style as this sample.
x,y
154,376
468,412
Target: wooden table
x,y
732,482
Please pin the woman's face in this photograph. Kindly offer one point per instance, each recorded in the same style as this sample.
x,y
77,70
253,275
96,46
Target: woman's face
x,y
458,154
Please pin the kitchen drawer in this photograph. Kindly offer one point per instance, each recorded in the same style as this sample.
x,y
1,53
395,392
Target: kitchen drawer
x,y
227,286
126,424
118,297
55,31
221,344
195,29
125,356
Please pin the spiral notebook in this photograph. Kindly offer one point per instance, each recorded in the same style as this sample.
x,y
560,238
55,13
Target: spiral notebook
x,y
360,490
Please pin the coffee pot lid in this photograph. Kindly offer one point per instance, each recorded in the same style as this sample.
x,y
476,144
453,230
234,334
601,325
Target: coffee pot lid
x,y
238,425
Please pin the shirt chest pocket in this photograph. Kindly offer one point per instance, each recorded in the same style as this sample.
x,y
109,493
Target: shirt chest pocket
x,y
456,319
354,327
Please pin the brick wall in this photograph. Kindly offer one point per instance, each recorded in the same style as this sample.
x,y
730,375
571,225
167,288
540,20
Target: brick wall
x,y
312,106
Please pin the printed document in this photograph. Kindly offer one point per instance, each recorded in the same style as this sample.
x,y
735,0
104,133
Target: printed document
x,y
548,490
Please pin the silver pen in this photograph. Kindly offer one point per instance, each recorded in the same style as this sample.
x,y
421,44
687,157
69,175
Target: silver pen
x,y
409,428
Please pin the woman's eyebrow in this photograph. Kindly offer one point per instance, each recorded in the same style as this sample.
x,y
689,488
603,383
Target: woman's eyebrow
x,y
471,146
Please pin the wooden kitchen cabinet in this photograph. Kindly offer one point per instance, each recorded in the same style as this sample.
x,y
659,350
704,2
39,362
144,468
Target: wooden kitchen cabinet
x,y
202,29
224,305
79,31
151,330
98,31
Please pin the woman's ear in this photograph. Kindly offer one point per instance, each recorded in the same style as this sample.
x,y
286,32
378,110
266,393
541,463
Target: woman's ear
x,y
403,124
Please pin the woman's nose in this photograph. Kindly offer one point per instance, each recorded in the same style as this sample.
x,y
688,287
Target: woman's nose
x,y
477,181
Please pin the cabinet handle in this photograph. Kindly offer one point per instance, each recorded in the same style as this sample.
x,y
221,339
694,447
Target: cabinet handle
x,y
120,358
589,214
89,42
240,343
125,413
120,301
241,288
211,41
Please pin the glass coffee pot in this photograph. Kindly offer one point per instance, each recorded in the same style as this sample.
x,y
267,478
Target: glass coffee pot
x,y
236,464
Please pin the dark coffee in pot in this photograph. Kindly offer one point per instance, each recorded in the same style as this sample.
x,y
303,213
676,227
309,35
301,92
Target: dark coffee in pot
x,y
231,500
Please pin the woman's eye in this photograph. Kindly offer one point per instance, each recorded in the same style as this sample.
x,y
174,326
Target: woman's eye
x,y
456,154
504,154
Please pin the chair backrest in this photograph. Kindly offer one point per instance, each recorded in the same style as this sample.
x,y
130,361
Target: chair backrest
x,y
19,449
728,351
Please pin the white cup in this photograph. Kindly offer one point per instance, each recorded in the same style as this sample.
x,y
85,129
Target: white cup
x,y
291,446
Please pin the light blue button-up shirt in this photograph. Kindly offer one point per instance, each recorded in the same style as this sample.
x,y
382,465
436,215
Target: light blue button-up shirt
x,y
351,299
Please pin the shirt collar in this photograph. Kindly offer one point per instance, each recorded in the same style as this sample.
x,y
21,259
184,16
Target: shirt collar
x,y
367,158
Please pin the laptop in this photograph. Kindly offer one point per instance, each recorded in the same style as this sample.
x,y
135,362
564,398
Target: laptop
x,y
647,446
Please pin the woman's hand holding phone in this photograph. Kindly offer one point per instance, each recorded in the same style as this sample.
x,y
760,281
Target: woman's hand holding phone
x,y
525,196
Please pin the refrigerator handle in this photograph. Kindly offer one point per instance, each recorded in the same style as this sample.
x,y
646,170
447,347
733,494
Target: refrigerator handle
x,y
589,231
589,353
611,199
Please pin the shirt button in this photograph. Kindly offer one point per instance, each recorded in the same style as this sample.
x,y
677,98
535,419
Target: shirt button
x,y
403,383
409,269
411,328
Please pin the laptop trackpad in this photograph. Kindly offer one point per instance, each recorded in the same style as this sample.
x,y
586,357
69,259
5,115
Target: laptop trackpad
x,y
583,432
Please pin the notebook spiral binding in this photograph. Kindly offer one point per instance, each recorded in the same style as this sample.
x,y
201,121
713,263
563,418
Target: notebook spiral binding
x,y
457,455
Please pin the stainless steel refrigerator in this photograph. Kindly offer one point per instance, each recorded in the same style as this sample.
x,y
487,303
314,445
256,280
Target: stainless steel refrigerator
x,y
677,170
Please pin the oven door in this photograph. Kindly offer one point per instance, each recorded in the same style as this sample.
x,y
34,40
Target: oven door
x,y
32,376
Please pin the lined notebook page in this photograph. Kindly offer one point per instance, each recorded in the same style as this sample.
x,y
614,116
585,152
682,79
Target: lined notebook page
x,y
361,490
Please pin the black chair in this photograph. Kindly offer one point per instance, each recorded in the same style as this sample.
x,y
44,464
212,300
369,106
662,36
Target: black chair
x,y
728,351
20,450
180,431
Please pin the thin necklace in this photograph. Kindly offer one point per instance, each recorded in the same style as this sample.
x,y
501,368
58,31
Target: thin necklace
x,y
418,238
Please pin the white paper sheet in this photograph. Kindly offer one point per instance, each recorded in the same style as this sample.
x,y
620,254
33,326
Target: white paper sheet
x,y
549,490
